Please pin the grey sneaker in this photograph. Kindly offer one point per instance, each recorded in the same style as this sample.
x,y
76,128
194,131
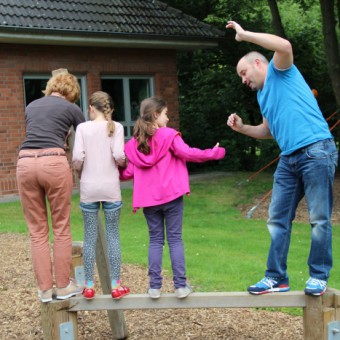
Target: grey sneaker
x,y
154,293
182,293
45,295
71,290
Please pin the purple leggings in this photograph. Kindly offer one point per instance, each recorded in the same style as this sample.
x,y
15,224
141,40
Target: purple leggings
x,y
169,215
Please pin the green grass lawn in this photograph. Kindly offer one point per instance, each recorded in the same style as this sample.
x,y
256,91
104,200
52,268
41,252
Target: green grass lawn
x,y
225,251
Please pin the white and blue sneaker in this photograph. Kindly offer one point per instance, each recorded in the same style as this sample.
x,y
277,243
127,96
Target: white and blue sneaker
x,y
183,292
154,293
315,287
269,285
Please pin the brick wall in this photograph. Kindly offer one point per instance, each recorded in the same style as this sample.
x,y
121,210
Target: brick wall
x,y
17,60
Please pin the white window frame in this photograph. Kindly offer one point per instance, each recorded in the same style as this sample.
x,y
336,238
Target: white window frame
x,y
83,89
128,123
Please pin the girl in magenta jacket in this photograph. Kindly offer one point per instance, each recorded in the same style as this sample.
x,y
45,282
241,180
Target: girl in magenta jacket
x,y
157,157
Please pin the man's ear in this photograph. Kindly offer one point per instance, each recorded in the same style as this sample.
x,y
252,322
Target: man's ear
x,y
258,62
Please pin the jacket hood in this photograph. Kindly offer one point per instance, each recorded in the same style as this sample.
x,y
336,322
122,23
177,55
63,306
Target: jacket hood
x,y
160,144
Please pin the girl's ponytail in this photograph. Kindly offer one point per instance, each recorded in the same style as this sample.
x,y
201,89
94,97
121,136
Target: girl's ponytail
x,y
145,125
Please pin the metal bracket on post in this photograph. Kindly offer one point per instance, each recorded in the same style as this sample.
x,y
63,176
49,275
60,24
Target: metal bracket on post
x,y
66,331
79,274
334,330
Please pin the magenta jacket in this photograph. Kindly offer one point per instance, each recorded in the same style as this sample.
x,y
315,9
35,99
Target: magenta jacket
x,y
162,176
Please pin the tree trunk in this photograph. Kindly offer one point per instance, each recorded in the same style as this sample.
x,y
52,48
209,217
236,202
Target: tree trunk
x,y
276,19
331,45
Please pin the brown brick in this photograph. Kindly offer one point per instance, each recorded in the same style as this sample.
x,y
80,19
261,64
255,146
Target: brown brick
x,y
17,60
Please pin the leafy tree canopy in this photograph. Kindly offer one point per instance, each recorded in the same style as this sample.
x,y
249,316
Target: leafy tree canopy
x,y
210,89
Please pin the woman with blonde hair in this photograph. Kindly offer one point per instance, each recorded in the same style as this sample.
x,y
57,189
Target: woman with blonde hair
x,y
98,149
43,173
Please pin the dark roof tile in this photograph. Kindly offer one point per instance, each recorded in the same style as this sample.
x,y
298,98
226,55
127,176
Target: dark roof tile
x,y
139,17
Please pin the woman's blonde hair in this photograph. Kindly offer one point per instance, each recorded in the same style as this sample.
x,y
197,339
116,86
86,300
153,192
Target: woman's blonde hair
x,y
65,84
145,125
103,102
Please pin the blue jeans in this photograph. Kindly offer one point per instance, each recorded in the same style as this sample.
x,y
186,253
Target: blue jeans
x,y
94,206
307,172
171,215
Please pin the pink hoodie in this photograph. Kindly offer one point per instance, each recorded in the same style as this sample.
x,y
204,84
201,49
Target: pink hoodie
x,y
162,176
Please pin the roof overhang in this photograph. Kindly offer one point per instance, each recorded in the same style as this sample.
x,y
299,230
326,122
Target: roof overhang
x,y
108,40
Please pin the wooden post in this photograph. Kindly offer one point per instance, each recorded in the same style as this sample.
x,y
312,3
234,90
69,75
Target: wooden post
x,y
77,256
55,313
337,304
317,314
116,317
332,315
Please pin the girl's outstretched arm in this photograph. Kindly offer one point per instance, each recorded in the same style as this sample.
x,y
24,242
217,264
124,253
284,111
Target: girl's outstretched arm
x,y
189,154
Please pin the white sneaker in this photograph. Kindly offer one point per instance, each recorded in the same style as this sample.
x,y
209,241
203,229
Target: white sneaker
x,y
182,293
72,289
154,293
45,295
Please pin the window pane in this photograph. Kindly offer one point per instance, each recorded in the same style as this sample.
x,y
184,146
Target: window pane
x,y
139,90
114,87
33,89
35,86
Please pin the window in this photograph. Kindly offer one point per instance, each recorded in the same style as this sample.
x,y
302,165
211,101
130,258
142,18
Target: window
x,y
35,84
127,94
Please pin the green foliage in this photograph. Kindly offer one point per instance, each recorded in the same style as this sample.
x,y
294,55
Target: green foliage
x,y
210,89
309,53
213,88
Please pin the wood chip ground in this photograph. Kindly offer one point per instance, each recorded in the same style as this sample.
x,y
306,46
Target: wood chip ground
x,y
20,308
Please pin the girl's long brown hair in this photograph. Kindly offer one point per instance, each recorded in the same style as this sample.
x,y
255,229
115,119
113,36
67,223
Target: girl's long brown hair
x,y
145,125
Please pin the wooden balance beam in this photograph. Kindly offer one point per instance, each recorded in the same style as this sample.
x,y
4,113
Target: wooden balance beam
x,y
194,300
321,315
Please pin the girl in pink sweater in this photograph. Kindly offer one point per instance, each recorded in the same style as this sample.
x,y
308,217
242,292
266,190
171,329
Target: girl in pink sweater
x,y
98,148
157,157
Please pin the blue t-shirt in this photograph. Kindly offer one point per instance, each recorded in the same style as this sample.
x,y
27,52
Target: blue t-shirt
x,y
292,112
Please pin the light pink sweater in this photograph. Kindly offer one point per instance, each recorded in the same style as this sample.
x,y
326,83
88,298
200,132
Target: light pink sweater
x,y
95,153
162,176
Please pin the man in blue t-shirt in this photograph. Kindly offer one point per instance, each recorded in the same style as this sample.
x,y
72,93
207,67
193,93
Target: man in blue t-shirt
x,y
307,161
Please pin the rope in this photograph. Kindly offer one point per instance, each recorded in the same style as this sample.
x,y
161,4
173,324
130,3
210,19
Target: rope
x,y
266,166
335,125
